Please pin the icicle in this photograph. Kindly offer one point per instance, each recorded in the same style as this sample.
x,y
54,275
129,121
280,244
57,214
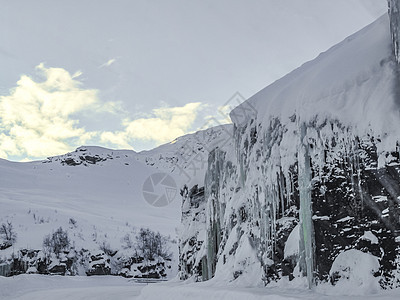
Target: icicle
x,y
281,192
306,223
394,14
275,210
359,184
288,183
268,226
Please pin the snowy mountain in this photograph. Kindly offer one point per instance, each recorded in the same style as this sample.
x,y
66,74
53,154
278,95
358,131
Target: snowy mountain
x,y
310,190
97,194
302,190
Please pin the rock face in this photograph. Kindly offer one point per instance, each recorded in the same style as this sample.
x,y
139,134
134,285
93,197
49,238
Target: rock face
x,y
354,205
83,156
133,266
99,264
32,261
84,262
299,190
193,233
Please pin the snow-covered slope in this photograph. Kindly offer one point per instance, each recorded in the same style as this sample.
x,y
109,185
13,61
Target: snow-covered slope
x,y
187,156
96,194
306,186
106,194
354,82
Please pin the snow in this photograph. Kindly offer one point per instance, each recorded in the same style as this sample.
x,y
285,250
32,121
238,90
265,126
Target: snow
x,y
344,96
99,202
292,243
42,287
356,270
106,198
105,201
322,218
247,263
353,82
369,236
39,287
345,219
213,290
380,198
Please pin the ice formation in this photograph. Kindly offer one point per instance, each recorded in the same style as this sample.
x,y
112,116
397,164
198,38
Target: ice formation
x,y
318,150
394,14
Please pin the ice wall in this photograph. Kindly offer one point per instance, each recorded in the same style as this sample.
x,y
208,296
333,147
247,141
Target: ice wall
x,y
321,177
319,150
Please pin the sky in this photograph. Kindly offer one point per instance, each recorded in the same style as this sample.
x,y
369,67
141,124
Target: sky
x,y
130,74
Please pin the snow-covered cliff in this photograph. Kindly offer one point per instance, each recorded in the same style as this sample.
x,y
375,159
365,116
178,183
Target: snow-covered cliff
x,y
312,179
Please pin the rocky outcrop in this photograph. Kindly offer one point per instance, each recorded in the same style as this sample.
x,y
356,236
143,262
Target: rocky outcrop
x,y
28,261
99,264
31,261
82,156
128,265
192,254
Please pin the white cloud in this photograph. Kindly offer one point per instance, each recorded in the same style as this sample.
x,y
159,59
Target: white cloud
x,y
163,126
36,116
223,115
39,118
119,139
168,123
112,107
108,63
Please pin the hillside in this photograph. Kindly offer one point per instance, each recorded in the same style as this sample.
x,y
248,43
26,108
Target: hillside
x,y
96,194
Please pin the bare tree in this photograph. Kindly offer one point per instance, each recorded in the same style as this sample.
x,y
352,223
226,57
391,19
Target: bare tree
x,y
57,242
106,248
8,233
152,244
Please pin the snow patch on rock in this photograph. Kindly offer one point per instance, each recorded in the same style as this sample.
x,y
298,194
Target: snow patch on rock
x,y
354,270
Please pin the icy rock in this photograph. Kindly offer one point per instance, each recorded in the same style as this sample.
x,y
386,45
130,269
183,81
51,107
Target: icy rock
x,y
341,108
192,235
99,264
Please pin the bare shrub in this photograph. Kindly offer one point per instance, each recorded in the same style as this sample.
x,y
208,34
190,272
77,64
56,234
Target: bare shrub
x,y
56,242
7,233
152,244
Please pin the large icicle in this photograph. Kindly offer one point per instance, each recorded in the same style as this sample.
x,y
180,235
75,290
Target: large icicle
x,y
306,223
394,14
